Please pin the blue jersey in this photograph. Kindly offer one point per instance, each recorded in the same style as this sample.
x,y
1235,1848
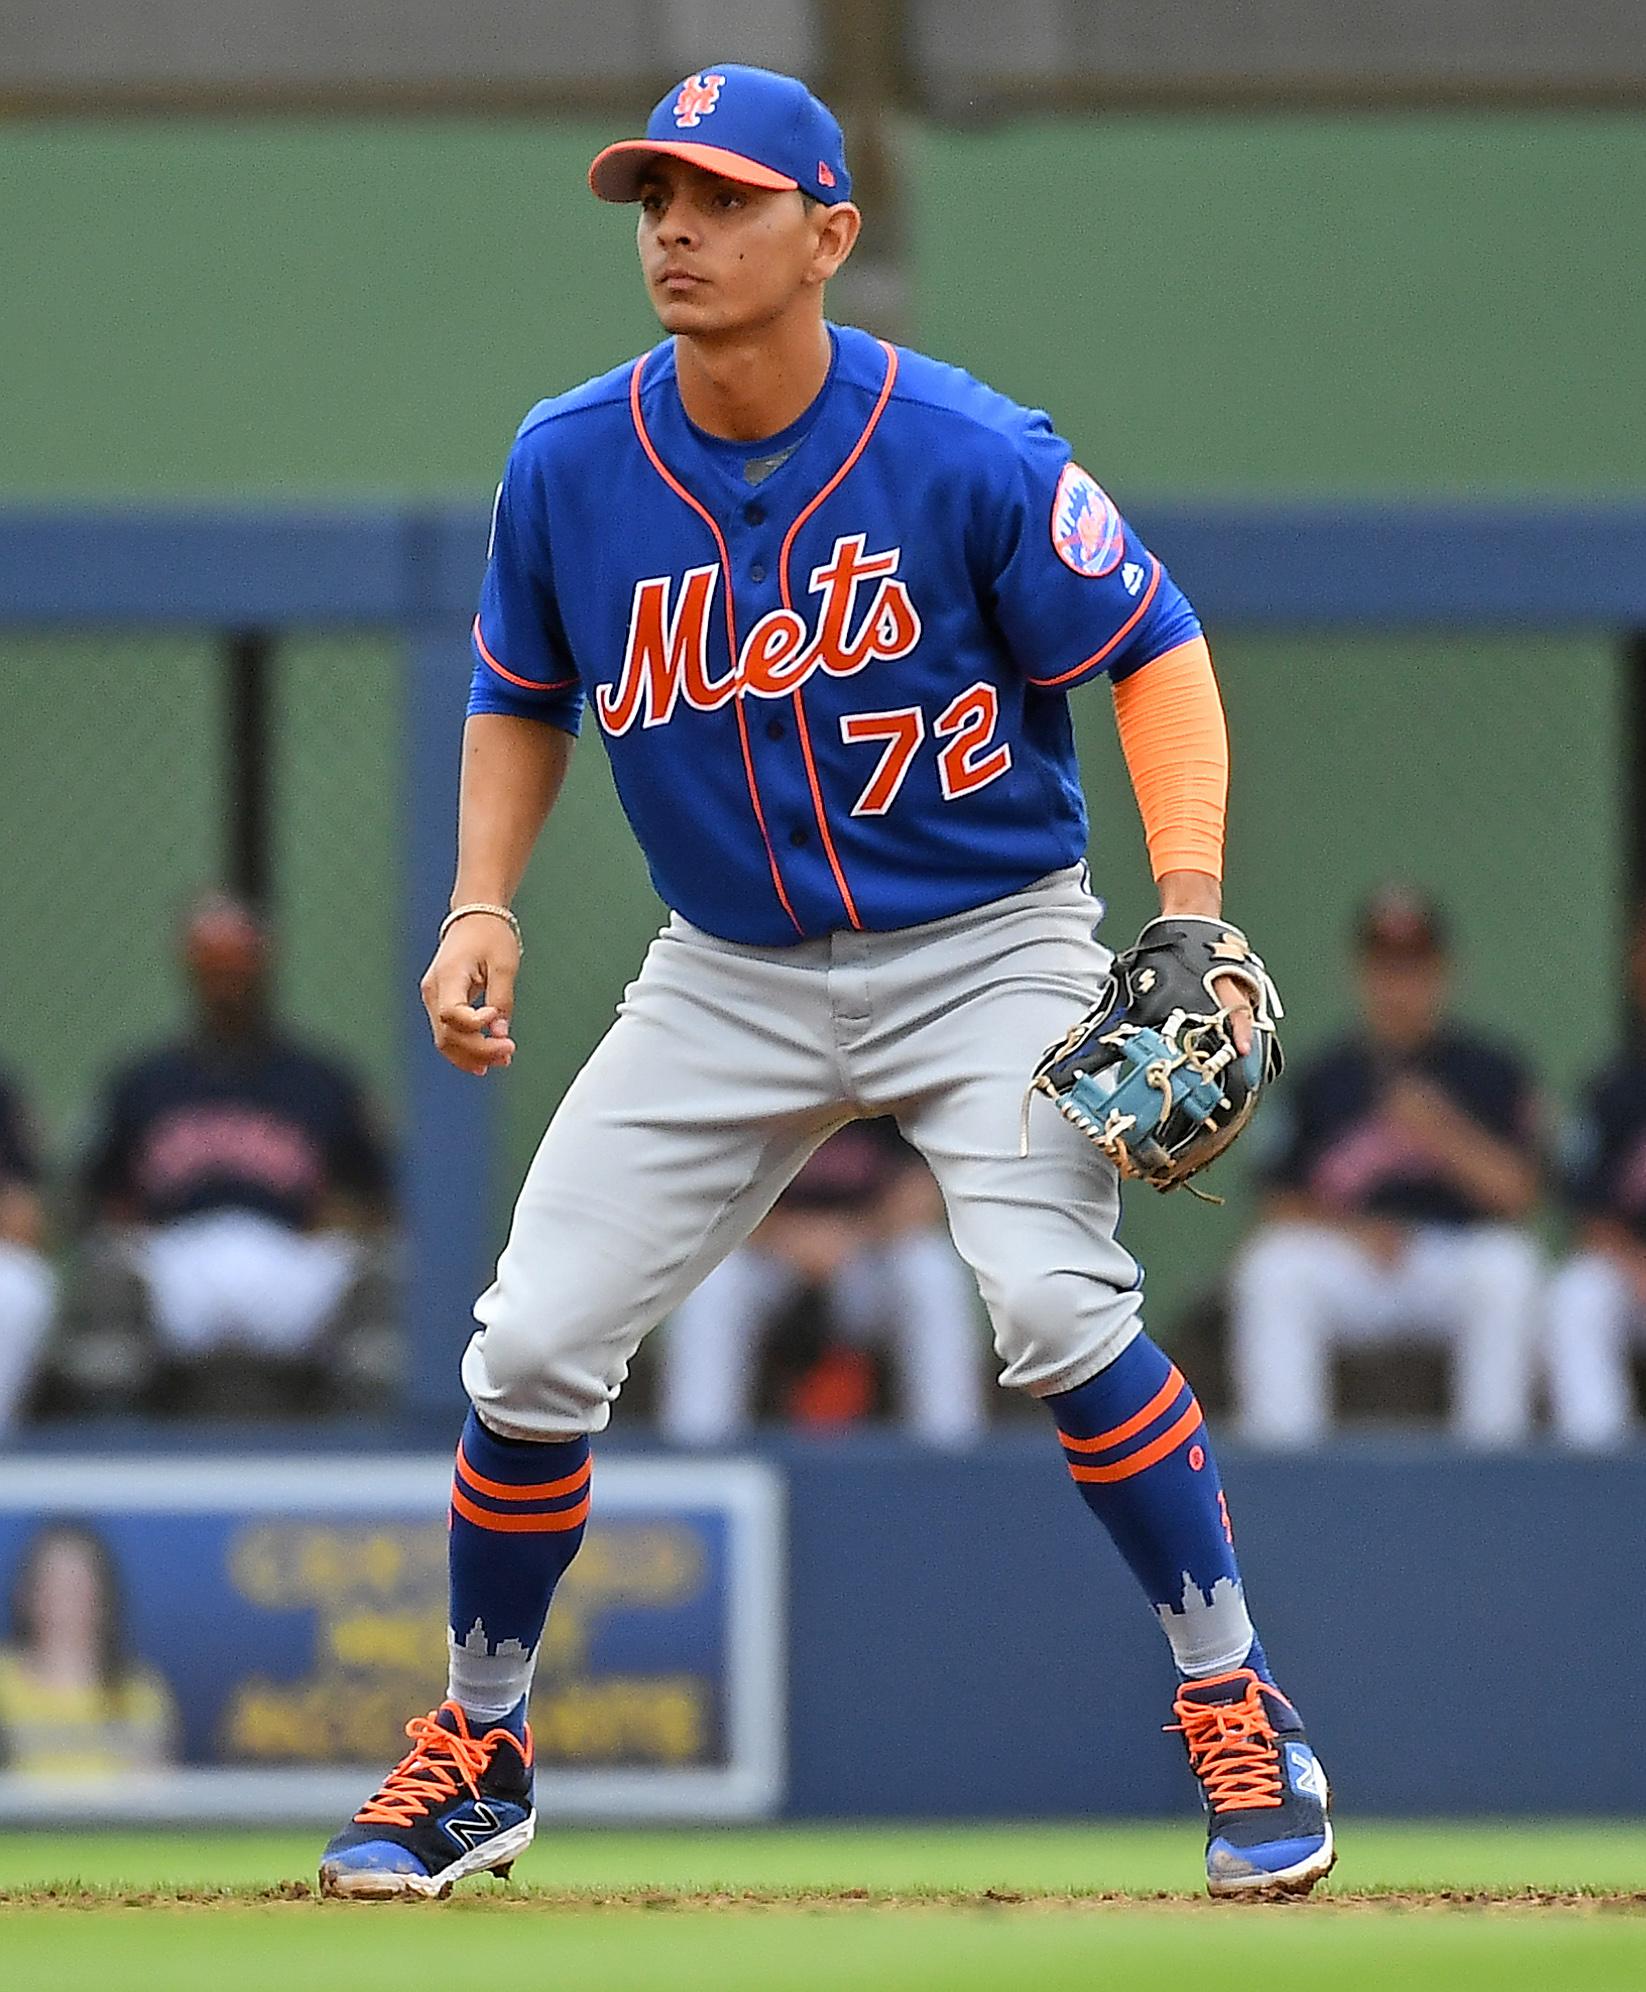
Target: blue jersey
x,y
830,668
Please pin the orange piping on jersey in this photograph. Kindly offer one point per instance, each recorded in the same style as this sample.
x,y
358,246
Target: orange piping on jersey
x,y
857,450
530,684
1145,1456
483,1518
1119,637
817,810
1130,1429
801,728
500,1490
1176,744
707,517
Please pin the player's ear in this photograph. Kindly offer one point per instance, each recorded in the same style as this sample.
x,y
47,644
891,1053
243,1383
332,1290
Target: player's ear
x,y
837,232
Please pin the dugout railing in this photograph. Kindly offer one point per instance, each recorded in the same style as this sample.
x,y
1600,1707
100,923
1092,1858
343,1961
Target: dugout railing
x,y
411,574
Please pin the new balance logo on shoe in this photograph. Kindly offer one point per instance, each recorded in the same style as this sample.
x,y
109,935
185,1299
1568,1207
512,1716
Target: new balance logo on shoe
x,y
1306,1774
468,1829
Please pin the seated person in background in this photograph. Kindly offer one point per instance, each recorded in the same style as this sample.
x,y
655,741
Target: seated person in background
x,y
239,1177
864,1223
1406,1165
28,1288
74,1703
1597,1301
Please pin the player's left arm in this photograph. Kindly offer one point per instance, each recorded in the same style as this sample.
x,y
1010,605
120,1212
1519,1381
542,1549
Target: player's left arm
x,y
1078,595
1174,735
1166,1068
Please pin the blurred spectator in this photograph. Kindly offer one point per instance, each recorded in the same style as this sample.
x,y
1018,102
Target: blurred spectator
x,y
862,1224
1597,1301
28,1288
73,1701
1405,1169
240,1193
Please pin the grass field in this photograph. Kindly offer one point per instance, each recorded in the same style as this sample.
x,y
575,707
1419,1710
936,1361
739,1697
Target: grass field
x,y
1558,1907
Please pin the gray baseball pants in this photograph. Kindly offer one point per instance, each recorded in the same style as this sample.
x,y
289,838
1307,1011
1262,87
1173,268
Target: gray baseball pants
x,y
728,1064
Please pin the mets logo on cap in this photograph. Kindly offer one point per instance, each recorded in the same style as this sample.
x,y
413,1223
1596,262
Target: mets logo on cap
x,y
698,96
1086,528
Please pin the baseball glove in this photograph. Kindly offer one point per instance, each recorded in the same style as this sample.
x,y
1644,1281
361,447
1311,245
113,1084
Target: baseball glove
x,y
1151,1072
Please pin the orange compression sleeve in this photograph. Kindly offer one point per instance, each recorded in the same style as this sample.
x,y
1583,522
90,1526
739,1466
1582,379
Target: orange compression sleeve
x,y
1170,716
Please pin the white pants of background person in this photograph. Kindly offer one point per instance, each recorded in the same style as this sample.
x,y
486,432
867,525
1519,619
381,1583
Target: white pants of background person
x,y
1595,1319
1301,1290
912,1289
28,1297
232,1277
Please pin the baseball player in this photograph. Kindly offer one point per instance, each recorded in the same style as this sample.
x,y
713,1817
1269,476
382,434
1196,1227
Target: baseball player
x,y
825,599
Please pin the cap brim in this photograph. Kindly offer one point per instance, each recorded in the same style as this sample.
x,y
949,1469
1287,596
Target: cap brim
x,y
617,173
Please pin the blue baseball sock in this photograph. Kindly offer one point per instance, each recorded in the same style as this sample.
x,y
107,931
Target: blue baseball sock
x,y
1136,1446
517,1518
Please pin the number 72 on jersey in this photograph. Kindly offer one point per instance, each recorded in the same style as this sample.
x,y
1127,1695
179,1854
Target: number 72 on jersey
x,y
965,763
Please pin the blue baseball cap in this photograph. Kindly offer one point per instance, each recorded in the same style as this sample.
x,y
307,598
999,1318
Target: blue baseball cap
x,y
749,125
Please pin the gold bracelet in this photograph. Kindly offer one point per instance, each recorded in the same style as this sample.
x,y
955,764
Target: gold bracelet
x,y
479,906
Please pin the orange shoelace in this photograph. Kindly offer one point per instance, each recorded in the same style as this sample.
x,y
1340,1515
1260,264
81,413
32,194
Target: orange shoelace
x,y
429,1774
1232,1750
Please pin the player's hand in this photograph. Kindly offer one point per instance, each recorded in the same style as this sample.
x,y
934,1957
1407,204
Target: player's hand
x,y
1236,999
468,992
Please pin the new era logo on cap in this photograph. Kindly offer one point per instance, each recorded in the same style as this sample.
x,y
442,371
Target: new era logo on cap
x,y
757,127
698,96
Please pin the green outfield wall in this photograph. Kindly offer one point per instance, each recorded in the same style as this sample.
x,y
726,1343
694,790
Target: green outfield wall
x,y
276,310
1232,303
1305,304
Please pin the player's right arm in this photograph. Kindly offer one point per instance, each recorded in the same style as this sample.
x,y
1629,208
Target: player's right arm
x,y
512,771
525,703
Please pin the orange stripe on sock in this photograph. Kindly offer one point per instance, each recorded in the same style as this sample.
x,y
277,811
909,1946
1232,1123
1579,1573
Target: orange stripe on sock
x,y
544,1490
1145,1456
1121,1433
483,1518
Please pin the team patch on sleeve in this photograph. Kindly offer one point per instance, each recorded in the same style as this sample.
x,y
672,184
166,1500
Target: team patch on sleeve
x,y
1086,528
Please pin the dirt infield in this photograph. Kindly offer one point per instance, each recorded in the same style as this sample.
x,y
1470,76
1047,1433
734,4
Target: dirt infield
x,y
507,1899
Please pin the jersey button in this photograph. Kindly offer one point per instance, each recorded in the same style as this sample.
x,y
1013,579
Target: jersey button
x,y
755,514
757,572
774,729
799,839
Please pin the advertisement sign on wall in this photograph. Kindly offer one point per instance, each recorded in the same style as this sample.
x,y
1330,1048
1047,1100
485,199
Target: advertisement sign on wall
x,y
247,1638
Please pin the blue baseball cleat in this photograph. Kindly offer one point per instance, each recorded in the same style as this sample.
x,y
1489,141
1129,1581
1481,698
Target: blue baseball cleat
x,y
456,1804
1268,1829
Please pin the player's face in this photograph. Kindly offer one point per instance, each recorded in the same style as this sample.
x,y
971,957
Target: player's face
x,y
722,258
